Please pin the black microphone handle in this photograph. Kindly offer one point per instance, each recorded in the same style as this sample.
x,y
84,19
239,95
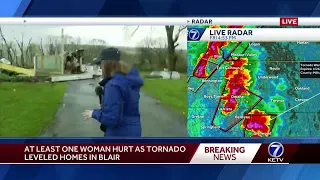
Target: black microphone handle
x,y
100,99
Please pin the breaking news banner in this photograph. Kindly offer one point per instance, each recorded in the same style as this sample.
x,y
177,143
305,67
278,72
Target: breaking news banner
x,y
159,153
254,34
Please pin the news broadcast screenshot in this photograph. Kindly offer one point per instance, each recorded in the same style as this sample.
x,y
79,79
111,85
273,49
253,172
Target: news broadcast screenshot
x,y
159,91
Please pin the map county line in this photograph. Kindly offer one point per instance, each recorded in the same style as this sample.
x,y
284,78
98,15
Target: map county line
x,y
197,71
271,97
250,121
234,120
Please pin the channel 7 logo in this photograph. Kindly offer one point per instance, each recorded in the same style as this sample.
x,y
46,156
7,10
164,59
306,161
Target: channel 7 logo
x,y
193,35
275,150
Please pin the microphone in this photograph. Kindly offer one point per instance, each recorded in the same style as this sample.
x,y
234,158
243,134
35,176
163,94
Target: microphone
x,y
99,92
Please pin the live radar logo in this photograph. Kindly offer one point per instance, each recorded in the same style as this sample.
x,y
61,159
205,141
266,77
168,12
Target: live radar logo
x,y
289,22
275,150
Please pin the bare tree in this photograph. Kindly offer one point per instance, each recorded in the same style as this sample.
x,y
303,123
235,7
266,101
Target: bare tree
x,y
57,46
152,52
41,47
53,46
20,45
2,47
30,52
74,42
1,51
69,39
13,49
50,47
24,61
172,43
95,47
78,42
7,46
161,52
145,52
98,42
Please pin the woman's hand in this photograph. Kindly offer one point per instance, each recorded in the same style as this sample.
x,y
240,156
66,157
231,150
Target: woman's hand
x,y
87,114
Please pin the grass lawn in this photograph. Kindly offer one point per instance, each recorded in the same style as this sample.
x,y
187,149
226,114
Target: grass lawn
x,y
170,92
27,109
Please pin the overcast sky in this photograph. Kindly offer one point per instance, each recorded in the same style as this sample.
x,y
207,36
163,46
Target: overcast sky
x,y
113,35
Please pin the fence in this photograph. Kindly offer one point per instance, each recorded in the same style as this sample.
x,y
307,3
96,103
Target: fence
x,y
44,65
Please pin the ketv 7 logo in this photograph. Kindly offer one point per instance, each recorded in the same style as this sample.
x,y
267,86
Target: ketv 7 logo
x,y
194,34
275,150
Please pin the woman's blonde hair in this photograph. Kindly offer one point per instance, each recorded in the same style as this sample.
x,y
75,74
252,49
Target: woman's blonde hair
x,y
109,68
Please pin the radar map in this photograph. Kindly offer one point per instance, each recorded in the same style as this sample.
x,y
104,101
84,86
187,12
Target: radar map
x,y
253,89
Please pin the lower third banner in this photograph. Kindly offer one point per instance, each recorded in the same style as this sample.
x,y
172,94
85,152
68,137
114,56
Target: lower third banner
x,y
236,153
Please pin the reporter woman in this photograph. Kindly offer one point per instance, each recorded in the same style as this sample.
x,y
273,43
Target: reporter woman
x,y
120,104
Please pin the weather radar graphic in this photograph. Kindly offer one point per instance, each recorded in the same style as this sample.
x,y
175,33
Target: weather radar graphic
x,y
251,89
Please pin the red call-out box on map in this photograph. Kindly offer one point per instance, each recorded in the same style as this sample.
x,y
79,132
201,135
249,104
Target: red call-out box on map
x,y
288,21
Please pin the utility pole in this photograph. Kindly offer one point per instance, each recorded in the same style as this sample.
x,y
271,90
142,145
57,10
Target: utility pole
x,y
62,51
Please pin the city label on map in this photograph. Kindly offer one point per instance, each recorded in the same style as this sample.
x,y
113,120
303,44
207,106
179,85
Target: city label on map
x,y
242,117
237,97
274,68
254,44
225,109
228,68
190,88
277,100
208,97
301,100
302,42
212,96
196,117
302,88
244,55
268,77
212,80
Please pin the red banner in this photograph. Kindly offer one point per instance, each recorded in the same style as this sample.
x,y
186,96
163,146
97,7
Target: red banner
x,y
204,153
102,153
